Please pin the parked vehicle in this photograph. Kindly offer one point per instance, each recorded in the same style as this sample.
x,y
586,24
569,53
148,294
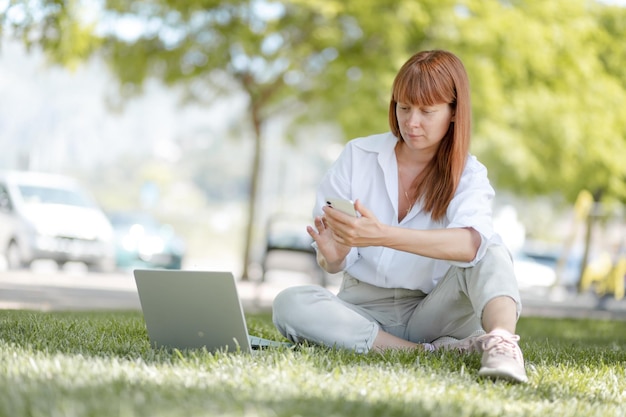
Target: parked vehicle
x,y
288,247
532,274
143,242
570,270
48,216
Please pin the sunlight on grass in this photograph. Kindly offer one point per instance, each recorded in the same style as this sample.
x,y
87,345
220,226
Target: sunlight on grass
x,y
101,364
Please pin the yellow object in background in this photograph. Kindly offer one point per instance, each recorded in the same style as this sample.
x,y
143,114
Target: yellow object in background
x,y
583,205
605,277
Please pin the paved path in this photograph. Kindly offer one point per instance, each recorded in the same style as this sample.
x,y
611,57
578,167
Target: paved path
x,y
76,290
537,302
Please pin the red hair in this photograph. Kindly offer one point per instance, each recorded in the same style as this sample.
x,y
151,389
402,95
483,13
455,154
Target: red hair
x,y
429,78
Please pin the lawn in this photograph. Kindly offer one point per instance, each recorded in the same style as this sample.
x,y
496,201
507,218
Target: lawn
x,y
101,364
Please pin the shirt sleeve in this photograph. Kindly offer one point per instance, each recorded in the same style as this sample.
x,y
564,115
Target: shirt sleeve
x,y
471,207
336,183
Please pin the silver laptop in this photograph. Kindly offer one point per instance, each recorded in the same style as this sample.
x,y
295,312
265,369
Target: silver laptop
x,y
194,310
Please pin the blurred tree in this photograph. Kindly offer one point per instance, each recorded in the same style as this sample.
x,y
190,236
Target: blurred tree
x,y
549,93
547,77
307,59
58,27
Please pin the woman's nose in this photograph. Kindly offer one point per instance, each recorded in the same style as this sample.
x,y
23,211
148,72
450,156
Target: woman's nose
x,y
414,119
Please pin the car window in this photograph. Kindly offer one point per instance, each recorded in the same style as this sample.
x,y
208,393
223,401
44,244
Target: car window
x,y
47,195
123,220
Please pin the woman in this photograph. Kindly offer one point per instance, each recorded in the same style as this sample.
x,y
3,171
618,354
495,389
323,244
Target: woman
x,y
422,265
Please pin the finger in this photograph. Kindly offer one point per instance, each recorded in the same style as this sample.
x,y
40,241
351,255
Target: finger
x,y
328,211
334,214
335,219
340,240
329,218
362,209
319,223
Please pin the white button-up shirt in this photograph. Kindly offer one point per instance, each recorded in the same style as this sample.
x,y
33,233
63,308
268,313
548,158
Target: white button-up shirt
x,y
367,170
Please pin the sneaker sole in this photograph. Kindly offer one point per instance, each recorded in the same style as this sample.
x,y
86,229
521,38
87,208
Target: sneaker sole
x,y
500,373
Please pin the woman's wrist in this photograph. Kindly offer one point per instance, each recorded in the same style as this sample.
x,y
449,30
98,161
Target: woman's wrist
x,y
331,267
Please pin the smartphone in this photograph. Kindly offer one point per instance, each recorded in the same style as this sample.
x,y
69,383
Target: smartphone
x,y
344,206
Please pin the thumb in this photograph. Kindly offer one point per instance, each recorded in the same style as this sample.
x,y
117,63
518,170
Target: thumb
x,y
362,209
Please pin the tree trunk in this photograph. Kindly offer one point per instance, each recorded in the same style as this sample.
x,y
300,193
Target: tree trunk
x,y
585,258
255,181
594,213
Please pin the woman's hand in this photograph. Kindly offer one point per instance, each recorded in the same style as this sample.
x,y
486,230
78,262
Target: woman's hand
x,y
364,230
331,253
341,232
338,232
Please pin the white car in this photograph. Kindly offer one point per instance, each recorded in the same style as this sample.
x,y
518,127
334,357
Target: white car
x,y
46,216
532,274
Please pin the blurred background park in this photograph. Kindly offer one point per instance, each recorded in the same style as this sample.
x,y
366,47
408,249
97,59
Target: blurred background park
x,y
218,117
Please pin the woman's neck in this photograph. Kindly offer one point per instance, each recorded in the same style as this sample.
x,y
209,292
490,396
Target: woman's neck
x,y
410,166
410,161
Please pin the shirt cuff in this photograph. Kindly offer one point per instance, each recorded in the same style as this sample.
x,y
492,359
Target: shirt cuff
x,y
350,259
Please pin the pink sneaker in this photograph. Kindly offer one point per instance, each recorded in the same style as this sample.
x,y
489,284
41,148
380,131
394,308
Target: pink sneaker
x,y
502,357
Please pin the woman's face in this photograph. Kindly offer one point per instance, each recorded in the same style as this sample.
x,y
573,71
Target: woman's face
x,y
423,127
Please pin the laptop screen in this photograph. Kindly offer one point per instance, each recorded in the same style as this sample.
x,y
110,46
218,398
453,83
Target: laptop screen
x,y
192,309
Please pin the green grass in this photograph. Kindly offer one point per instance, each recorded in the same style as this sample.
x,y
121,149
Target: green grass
x,y
101,364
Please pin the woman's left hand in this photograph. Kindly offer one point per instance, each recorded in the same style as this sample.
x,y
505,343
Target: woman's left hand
x,y
365,230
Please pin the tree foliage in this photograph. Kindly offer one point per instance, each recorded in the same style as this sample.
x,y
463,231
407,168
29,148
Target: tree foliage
x,y
547,93
55,26
548,80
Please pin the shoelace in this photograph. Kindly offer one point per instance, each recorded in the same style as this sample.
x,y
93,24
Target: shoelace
x,y
500,345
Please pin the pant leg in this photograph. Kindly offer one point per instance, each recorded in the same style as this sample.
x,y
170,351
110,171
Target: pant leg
x,y
351,319
314,314
455,306
391,308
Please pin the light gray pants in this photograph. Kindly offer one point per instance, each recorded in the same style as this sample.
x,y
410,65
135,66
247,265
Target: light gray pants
x,y
352,318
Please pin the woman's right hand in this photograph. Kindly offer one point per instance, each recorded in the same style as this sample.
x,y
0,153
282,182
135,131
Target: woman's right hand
x,y
331,254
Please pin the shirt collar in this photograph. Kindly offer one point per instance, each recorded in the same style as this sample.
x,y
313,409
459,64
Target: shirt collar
x,y
383,144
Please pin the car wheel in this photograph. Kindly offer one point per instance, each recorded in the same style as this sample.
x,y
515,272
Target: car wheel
x,y
13,256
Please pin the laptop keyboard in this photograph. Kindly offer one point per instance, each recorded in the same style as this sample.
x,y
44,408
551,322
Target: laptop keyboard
x,y
257,342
